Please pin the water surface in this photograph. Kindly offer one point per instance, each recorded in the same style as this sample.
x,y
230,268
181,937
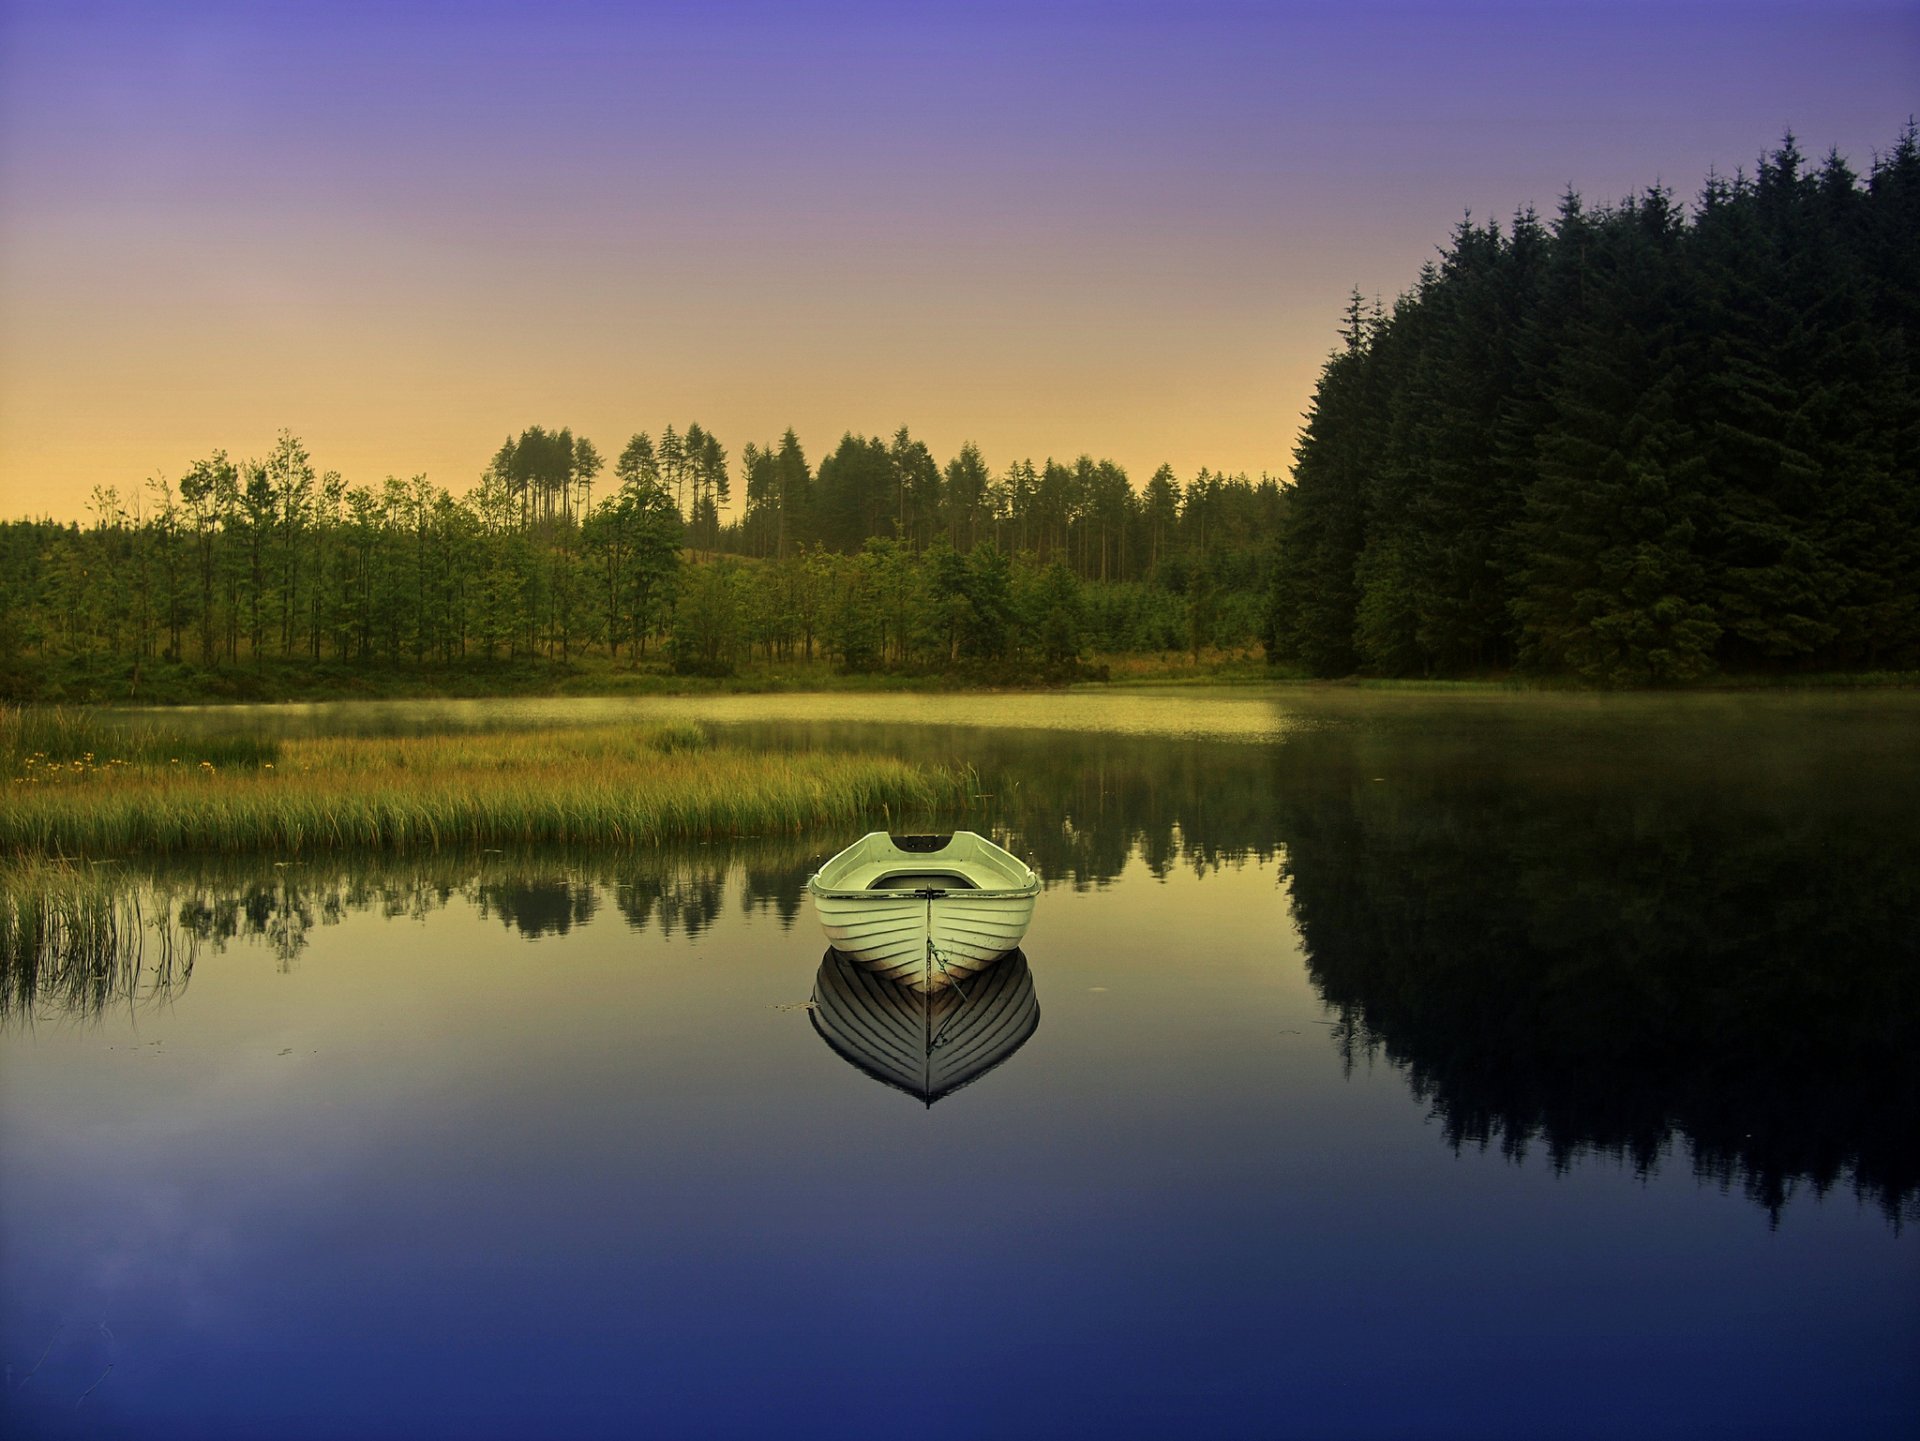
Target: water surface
x,y
1398,1066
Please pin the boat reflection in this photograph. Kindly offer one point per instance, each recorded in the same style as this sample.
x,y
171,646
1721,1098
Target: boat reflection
x,y
928,1044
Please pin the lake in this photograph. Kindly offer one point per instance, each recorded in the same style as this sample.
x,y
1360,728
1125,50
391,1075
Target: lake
x,y
1401,1064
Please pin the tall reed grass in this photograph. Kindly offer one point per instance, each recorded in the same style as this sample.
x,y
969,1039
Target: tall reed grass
x,y
69,736
619,786
81,937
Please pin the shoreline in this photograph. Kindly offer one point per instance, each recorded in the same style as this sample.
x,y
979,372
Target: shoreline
x,y
277,683
83,790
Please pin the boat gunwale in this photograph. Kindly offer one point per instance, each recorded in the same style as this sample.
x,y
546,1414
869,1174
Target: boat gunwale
x,y
1026,890
914,893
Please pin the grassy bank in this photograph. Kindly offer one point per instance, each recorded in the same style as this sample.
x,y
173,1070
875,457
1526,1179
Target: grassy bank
x,y
74,737
162,683
1705,685
73,682
608,786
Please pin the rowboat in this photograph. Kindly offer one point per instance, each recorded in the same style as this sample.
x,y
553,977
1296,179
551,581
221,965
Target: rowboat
x,y
926,1043
924,911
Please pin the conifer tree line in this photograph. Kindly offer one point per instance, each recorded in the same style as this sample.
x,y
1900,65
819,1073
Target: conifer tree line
x,y
1634,444
880,557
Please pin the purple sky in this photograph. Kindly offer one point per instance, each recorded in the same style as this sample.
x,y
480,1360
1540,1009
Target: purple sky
x,y
404,230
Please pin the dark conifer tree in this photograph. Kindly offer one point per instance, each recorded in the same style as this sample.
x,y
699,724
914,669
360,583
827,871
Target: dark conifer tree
x,y
1611,584
1314,594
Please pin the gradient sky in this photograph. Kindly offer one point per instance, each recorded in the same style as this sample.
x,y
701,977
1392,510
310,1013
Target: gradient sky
x,y
405,230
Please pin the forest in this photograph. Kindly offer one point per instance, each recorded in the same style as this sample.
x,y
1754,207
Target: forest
x,y
1635,445
1639,444
878,559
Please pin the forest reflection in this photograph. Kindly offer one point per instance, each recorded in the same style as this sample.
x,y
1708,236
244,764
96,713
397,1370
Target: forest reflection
x,y
1567,966
211,905
1681,943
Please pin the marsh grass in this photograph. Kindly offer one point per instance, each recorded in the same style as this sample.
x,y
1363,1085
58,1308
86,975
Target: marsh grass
x,y
620,786
82,937
72,738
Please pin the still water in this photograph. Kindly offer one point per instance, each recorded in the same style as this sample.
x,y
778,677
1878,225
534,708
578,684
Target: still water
x,y
1375,1066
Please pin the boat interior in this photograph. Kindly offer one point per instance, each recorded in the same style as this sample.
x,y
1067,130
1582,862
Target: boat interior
x,y
919,880
958,862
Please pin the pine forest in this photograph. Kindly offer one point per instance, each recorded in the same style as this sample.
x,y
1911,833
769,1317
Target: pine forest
x,y
1643,443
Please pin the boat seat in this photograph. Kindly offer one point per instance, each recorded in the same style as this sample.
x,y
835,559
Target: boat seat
x,y
916,880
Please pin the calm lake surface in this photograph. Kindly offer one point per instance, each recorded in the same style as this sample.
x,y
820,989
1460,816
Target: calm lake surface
x,y
1404,1065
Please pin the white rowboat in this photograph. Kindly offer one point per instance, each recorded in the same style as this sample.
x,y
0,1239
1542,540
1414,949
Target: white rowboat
x,y
924,911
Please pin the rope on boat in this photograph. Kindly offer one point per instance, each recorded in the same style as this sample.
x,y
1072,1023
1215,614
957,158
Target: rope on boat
x,y
934,958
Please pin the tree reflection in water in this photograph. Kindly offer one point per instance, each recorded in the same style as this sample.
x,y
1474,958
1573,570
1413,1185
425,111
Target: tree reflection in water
x,y
1619,929
1575,938
1561,967
143,927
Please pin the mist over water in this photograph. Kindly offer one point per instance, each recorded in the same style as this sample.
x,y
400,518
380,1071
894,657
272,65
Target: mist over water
x,y
1399,1064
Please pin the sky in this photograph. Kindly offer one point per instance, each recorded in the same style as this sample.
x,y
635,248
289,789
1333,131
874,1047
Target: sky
x,y
406,230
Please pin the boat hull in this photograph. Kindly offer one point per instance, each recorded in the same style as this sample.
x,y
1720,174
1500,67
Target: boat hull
x,y
924,911
925,942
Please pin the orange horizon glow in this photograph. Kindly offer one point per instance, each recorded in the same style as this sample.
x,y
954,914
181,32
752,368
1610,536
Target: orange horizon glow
x,y
405,232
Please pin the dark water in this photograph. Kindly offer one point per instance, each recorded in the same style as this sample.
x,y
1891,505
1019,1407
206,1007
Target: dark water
x,y
1399,1066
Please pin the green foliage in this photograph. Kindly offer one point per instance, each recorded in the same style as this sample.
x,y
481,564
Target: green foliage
x,y
1059,623
1314,595
856,630
1131,616
883,562
988,622
1639,447
632,548
675,736
1634,446
709,620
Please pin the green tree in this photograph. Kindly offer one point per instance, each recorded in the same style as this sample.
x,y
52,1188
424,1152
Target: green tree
x,y
1059,616
1612,588
1314,597
289,477
709,619
1160,513
967,481
205,491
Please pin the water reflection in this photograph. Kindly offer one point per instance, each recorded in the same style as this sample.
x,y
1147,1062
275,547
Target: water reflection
x,y
926,1043
78,954
136,938
1563,969
1647,937
1580,927
544,907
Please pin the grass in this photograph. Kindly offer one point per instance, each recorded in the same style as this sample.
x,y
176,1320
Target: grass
x,y
85,790
76,935
275,679
1706,685
74,737
620,786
